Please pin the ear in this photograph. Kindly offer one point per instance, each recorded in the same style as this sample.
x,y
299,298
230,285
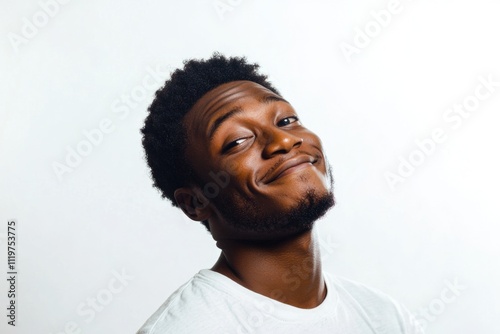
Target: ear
x,y
192,203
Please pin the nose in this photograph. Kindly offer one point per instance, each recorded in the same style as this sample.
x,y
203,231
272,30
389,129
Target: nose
x,y
280,142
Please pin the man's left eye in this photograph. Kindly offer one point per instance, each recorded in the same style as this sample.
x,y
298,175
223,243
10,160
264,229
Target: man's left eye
x,y
288,120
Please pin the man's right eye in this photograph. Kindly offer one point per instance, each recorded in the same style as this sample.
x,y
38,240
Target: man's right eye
x,y
233,144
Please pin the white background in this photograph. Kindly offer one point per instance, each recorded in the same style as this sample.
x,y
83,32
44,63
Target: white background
x,y
76,232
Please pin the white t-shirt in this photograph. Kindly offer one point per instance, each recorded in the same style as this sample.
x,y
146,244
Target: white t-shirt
x,y
212,303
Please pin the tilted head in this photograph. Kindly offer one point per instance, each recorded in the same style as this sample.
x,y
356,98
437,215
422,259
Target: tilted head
x,y
224,145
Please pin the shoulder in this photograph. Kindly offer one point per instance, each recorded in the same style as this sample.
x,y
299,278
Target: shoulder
x,y
190,308
358,290
380,309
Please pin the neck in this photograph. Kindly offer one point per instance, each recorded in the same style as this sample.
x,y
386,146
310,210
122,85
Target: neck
x,y
288,271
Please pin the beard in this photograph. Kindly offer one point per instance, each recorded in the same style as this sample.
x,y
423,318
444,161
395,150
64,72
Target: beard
x,y
248,216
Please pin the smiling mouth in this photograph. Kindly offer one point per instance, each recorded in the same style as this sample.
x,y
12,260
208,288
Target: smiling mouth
x,y
291,166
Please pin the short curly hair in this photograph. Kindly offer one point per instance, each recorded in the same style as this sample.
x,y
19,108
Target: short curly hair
x,y
163,133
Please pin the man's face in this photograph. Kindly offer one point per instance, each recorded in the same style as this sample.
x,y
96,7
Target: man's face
x,y
273,175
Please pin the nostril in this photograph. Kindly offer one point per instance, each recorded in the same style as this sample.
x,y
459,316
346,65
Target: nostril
x,y
281,141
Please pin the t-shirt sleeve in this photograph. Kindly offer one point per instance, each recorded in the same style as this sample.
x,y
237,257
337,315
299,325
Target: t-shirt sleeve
x,y
408,321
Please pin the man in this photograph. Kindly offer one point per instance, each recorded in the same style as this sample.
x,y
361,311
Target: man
x,y
225,147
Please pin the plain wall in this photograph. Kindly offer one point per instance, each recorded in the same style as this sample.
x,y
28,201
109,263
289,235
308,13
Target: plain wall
x,y
88,65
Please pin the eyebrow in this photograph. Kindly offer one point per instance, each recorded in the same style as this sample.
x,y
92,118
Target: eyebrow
x,y
236,110
218,122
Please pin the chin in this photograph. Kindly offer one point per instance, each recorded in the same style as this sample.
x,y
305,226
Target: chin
x,y
298,217
289,206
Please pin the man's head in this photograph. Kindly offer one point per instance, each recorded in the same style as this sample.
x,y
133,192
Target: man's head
x,y
224,146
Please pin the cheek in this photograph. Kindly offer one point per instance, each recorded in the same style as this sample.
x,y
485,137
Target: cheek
x,y
239,172
243,166
242,175
312,139
232,168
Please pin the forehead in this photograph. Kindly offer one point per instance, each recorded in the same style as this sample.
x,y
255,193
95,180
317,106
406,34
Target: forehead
x,y
221,99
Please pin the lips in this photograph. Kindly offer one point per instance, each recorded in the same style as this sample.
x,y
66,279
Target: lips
x,y
288,167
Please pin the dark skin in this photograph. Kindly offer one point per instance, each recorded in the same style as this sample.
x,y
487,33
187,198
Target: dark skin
x,y
273,161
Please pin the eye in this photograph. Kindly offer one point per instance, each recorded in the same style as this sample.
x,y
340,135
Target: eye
x,y
288,120
233,144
